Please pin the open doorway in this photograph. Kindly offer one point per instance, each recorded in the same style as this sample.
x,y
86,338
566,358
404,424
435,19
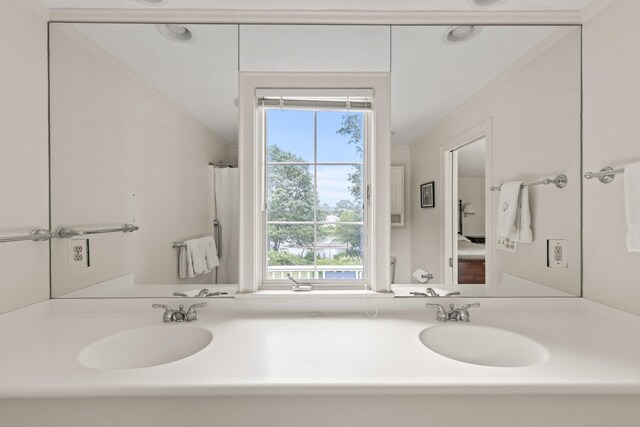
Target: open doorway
x,y
467,206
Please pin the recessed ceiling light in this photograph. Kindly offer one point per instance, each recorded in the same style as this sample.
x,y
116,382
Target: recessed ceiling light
x,y
175,32
485,3
153,2
461,33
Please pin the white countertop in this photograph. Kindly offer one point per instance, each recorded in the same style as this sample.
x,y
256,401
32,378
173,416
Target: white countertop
x,y
321,347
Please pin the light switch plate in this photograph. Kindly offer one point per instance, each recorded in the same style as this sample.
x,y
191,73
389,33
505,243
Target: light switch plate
x,y
557,253
79,253
507,245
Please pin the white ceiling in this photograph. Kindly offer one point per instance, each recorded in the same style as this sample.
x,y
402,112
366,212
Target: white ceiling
x,y
471,160
200,77
369,5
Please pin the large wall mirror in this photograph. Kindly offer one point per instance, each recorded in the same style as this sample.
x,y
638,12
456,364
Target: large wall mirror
x,y
143,135
144,129
486,143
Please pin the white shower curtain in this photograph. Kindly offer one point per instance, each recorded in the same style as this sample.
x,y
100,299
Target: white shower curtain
x,y
225,208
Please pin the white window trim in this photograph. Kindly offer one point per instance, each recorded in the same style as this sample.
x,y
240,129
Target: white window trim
x,y
250,167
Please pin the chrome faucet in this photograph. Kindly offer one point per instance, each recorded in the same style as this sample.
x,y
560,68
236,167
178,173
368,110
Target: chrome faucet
x,y
202,294
179,315
297,287
430,292
454,314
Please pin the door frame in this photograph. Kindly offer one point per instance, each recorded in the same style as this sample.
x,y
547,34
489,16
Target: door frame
x,y
448,161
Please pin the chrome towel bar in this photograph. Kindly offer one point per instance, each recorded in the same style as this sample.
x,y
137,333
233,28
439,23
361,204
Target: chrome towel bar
x,y
42,235
67,233
560,182
218,229
37,235
605,176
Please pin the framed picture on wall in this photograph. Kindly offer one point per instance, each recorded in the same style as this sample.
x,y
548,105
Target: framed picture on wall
x,y
427,195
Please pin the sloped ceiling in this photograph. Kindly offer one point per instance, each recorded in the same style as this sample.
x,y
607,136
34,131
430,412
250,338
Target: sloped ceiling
x,y
429,77
200,76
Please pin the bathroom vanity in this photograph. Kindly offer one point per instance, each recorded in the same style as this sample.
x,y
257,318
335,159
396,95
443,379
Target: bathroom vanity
x,y
291,142
275,359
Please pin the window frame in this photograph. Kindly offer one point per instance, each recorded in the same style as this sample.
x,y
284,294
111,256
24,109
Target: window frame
x,y
320,284
250,158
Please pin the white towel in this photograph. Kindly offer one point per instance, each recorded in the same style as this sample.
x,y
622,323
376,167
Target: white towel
x,y
632,202
514,215
523,233
198,256
508,208
183,265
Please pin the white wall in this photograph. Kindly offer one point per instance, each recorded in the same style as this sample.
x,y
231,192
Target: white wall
x,y
401,236
314,48
122,153
471,190
534,108
611,138
24,192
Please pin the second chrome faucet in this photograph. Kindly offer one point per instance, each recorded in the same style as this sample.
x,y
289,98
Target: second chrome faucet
x,y
453,314
179,315
430,292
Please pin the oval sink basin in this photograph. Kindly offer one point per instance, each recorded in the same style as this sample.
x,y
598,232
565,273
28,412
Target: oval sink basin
x,y
482,345
142,348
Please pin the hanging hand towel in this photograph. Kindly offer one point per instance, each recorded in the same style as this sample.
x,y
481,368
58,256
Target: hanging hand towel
x,y
198,256
632,202
183,265
208,247
523,232
508,208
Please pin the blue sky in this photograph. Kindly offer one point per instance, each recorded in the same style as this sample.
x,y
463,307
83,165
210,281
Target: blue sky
x,y
292,130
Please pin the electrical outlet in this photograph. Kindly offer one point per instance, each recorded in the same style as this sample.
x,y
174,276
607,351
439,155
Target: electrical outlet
x,y
79,253
507,245
557,253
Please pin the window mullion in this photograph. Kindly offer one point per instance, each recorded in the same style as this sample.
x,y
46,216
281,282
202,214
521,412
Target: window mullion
x,y
315,194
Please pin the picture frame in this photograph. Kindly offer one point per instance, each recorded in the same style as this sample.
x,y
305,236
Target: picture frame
x,y
427,195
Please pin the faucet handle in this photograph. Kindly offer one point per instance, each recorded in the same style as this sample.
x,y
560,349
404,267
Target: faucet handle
x,y
192,314
464,311
168,312
441,315
467,306
438,306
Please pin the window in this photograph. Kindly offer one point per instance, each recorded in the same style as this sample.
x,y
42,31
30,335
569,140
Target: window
x,y
366,93
315,181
